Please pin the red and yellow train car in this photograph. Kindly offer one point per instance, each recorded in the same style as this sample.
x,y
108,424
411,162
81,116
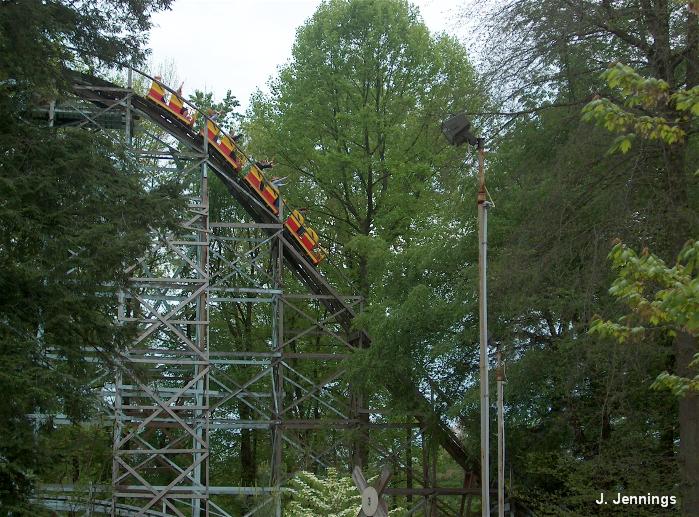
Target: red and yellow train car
x,y
175,105
306,237
227,147
230,151
254,177
268,192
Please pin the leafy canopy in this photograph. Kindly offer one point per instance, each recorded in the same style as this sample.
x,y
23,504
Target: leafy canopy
x,y
659,297
73,213
642,95
354,122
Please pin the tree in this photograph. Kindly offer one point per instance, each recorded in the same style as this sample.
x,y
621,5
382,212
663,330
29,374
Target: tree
x,y
577,409
660,297
667,300
73,213
39,38
568,44
367,157
332,495
579,416
353,121
662,108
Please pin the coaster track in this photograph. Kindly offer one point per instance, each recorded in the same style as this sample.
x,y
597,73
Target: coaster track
x,y
104,94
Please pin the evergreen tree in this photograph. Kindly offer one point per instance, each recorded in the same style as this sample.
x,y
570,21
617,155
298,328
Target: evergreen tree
x,y
73,214
580,415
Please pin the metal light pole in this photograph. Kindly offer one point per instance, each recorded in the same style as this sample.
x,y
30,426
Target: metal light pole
x,y
500,376
457,129
483,318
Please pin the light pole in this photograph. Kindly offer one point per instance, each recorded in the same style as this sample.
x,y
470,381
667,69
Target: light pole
x,y
457,129
500,376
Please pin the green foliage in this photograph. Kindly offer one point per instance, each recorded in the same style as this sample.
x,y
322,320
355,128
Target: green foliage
x,y
687,100
332,495
618,120
39,38
73,213
659,297
78,454
228,118
579,414
638,90
354,120
645,94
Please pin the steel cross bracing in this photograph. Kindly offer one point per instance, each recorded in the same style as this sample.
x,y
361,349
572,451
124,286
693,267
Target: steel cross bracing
x,y
161,401
196,374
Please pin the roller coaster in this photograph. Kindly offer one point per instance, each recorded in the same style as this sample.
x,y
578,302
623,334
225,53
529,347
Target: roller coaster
x,y
249,170
146,412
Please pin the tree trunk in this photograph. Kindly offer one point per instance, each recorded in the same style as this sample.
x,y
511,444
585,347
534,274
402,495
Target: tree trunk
x,y
692,52
360,450
409,462
247,453
248,459
685,348
364,277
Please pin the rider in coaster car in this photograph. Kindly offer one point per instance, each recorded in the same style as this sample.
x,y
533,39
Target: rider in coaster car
x,y
185,110
277,181
264,164
159,80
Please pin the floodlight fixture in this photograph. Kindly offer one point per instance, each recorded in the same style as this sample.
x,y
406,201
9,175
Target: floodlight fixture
x,y
457,129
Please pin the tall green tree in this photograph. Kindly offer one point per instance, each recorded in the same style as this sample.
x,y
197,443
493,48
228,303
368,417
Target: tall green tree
x,y
563,201
354,121
664,111
73,213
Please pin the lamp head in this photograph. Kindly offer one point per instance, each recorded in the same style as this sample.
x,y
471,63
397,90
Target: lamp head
x,y
457,129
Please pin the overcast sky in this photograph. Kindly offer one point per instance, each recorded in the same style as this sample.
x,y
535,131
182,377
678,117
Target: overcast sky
x,y
244,41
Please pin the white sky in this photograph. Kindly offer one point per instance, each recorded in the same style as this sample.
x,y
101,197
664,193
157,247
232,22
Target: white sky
x,y
245,40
